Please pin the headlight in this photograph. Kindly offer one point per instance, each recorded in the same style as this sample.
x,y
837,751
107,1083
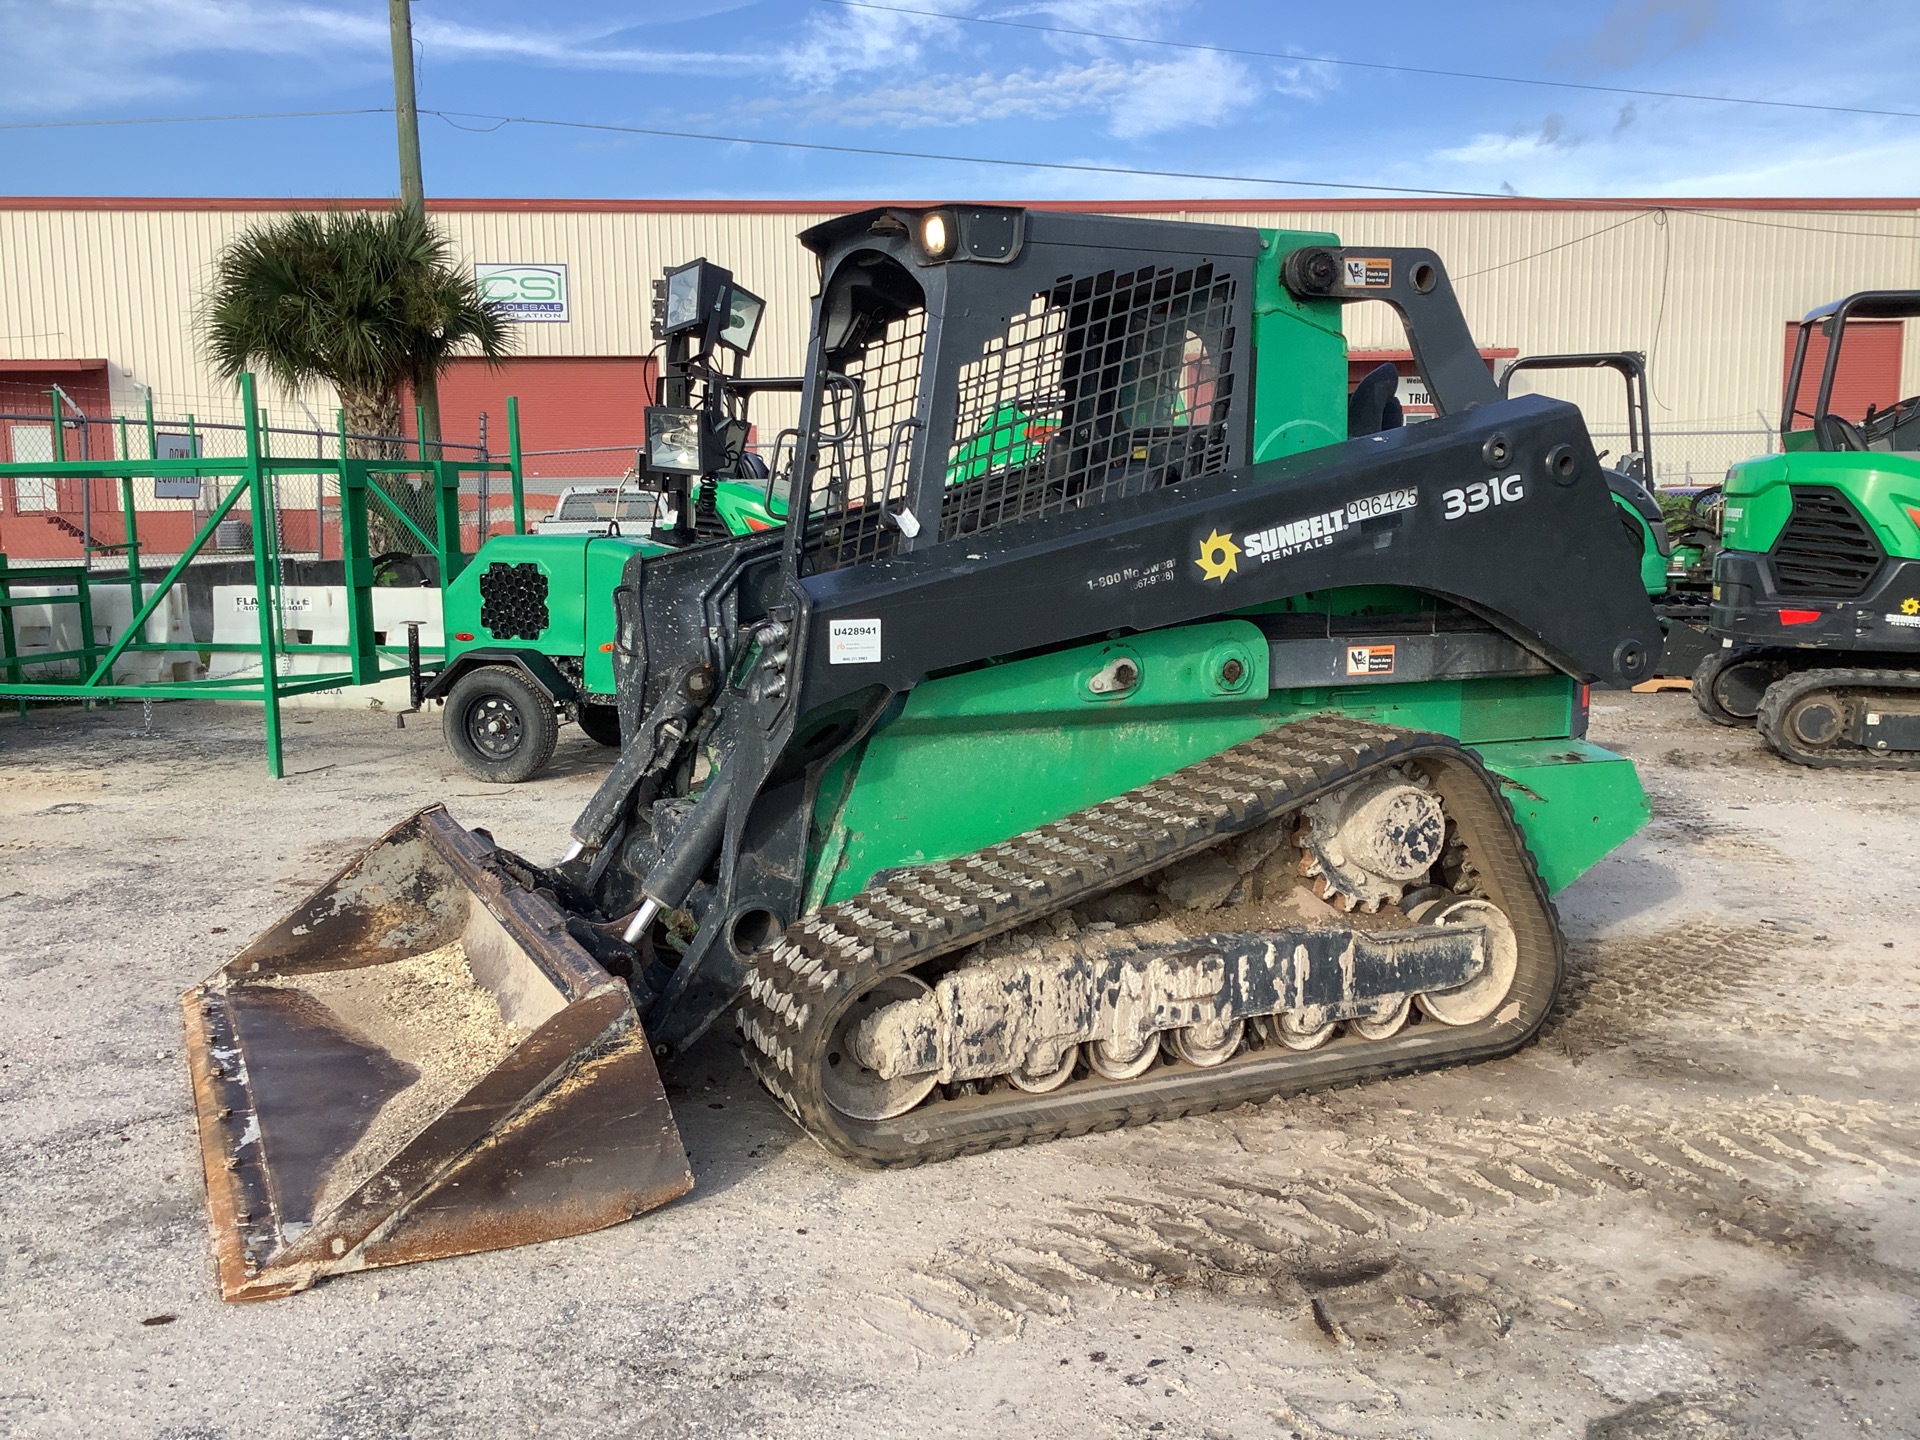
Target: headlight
x,y
937,235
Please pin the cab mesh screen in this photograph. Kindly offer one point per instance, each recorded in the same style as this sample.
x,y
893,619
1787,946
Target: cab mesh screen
x,y
866,447
1106,385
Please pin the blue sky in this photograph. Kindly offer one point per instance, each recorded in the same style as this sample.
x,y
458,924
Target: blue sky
x,y
812,71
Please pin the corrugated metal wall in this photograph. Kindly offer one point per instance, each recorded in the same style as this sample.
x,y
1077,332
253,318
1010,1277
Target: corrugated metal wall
x,y
1704,293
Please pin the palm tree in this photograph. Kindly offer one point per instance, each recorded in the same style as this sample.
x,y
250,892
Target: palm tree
x,y
369,302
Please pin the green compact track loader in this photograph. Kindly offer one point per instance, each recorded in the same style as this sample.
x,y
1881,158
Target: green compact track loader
x,y
1816,589
1127,722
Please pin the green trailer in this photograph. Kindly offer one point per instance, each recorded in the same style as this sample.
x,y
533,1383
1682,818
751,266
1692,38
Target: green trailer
x,y
529,626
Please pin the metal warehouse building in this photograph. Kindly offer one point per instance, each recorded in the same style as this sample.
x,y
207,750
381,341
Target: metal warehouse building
x,y
98,296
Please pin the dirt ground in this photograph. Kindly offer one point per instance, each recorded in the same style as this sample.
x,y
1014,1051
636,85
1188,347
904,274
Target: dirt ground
x,y
1689,1210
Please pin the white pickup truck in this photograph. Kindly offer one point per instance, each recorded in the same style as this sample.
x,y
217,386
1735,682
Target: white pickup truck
x,y
603,510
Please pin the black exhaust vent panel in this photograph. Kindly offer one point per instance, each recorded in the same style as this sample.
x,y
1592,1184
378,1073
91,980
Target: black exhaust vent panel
x,y
513,601
1826,551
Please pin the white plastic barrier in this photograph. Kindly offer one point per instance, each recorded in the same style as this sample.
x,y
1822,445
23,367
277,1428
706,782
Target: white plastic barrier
x,y
317,615
48,629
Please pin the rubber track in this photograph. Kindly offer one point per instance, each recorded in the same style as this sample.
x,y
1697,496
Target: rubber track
x,y
1783,694
1707,673
922,914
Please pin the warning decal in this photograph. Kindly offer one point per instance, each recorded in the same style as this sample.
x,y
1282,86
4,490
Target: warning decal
x,y
1368,274
1369,660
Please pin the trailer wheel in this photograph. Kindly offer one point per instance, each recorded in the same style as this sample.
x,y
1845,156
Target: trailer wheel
x,y
500,725
600,722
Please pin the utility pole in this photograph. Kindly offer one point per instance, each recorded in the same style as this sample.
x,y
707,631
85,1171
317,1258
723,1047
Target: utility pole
x,y
413,195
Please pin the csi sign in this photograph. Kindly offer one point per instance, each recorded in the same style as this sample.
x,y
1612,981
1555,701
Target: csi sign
x,y
526,293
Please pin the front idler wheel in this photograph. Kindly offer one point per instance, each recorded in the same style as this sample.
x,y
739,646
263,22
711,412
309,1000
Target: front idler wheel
x,y
849,1085
500,725
1483,995
1817,721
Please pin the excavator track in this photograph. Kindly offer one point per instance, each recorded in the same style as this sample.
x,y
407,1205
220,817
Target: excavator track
x,y
912,927
1856,719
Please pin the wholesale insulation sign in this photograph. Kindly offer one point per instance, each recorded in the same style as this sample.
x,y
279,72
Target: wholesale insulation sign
x,y
526,293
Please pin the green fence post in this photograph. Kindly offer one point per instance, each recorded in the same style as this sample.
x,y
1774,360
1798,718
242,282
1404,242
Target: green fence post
x,y
59,430
451,557
153,435
270,482
264,598
356,563
8,651
513,459
127,511
83,594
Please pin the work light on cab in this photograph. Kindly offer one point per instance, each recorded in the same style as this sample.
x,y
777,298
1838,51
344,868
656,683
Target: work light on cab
x,y
937,235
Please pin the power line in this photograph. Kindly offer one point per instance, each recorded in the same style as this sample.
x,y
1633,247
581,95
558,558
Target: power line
x,y
1373,64
1564,244
452,117
1704,209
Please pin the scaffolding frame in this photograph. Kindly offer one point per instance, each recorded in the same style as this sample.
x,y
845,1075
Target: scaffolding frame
x,y
252,477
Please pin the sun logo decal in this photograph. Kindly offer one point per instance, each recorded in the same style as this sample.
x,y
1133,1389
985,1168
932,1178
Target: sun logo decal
x,y
1910,606
1218,556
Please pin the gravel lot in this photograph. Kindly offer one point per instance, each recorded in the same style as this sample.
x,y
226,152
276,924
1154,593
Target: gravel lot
x,y
1690,1210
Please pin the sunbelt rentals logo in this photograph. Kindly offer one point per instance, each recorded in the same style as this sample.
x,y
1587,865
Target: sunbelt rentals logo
x,y
1219,556
1220,553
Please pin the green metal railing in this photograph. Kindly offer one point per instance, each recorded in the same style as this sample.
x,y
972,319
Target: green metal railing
x,y
252,477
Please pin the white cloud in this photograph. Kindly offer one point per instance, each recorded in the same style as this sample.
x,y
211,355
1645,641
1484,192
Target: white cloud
x,y
1136,100
1678,154
839,43
87,53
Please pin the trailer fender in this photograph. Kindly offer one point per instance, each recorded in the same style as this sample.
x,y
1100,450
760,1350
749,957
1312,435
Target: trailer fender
x,y
538,668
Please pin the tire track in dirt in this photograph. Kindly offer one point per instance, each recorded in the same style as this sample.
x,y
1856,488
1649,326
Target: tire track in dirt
x,y
1680,820
1617,987
1322,1240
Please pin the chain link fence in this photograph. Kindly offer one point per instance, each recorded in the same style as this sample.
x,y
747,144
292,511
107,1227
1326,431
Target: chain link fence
x,y
1686,458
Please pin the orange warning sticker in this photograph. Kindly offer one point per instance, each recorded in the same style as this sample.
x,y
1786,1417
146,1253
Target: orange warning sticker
x,y
1369,660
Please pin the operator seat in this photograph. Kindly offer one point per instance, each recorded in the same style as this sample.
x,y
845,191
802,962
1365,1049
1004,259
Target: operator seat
x,y
1374,404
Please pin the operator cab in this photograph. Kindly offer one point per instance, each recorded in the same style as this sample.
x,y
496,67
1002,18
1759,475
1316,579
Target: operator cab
x,y
1812,422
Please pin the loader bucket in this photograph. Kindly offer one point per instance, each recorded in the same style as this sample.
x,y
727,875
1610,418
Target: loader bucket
x,y
419,1062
